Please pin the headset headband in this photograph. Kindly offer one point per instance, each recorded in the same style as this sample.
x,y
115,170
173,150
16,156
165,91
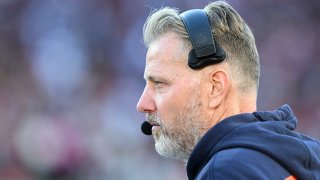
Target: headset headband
x,y
205,51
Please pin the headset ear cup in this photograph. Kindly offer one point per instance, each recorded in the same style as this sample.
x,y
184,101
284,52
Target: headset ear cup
x,y
195,62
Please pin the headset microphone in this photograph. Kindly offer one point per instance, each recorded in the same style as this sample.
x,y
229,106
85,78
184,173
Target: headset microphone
x,y
146,128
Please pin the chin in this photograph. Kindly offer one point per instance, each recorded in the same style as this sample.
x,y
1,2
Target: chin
x,y
169,148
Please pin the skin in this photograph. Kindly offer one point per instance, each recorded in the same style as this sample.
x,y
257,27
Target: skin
x,y
171,86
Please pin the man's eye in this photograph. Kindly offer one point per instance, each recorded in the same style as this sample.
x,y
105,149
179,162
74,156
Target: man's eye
x,y
159,84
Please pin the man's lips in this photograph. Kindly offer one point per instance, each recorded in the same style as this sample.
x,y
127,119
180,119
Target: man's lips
x,y
154,123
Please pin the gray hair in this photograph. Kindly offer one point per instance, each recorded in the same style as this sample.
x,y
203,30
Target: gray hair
x,y
230,32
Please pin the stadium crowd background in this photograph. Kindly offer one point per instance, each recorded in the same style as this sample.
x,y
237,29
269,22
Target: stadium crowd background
x,y
71,73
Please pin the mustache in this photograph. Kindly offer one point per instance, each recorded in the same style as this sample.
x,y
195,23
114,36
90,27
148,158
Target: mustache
x,y
154,118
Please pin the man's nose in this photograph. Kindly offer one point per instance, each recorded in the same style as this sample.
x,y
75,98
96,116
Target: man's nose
x,y
146,102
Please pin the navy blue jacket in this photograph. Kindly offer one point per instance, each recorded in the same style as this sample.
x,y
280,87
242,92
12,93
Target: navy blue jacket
x,y
261,145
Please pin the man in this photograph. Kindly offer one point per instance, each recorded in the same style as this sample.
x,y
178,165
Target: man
x,y
204,113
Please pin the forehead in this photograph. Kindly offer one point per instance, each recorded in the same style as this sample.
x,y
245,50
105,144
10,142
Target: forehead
x,y
166,54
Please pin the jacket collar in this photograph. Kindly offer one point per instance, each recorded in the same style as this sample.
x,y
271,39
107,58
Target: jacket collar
x,y
202,153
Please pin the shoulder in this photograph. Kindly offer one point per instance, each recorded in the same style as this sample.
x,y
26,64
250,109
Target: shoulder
x,y
242,163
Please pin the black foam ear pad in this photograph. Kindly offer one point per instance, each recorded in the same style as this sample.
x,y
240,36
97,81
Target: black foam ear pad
x,y
195,62
205,50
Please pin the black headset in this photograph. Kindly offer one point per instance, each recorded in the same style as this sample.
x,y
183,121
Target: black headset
x,y
205,50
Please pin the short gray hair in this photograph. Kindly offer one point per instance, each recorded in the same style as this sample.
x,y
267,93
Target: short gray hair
x,y
230,32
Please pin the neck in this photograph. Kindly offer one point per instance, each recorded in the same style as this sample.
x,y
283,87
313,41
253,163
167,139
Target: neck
x,y
234,106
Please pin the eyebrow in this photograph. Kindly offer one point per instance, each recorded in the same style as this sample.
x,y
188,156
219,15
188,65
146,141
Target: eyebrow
x,y
149,78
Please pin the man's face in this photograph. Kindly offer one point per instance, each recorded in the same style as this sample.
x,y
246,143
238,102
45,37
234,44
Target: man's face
x,y
172,98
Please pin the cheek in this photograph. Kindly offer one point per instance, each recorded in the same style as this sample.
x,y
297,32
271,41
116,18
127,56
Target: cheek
x,y
172,103
167,107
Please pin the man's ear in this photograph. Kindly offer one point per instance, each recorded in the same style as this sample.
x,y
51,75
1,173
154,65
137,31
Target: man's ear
x,y
220,84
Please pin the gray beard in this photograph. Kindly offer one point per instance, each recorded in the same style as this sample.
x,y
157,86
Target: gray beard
x,y
178,141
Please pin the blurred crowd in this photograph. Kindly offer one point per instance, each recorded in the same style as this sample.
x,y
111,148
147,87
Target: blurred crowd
x,y
71,73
